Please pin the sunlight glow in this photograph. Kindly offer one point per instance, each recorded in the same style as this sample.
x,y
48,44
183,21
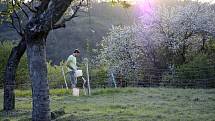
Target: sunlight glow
x,y
136,1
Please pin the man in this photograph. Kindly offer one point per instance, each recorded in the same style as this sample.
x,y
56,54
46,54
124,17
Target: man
x,y
72,67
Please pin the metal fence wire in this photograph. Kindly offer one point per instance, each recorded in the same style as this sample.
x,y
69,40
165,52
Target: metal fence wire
x,y
127,104
149,77
180,78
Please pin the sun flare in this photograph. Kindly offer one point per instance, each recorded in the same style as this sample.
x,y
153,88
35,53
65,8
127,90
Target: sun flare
x,y
138,1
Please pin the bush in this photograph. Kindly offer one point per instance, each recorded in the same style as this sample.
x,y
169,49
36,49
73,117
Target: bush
x,y
198,73
199,68
98,76
55,76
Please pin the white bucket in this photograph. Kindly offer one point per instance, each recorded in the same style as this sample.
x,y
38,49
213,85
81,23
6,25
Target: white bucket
x,y
78,73
75,92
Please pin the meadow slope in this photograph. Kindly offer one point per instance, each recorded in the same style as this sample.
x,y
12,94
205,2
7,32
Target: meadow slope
x,y
126,104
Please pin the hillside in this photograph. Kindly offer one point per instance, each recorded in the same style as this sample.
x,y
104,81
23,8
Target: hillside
x,y
82,32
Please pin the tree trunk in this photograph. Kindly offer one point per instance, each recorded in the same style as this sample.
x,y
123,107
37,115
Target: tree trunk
x,y
204,39
183,52
36,52
10,72
47,15
36,32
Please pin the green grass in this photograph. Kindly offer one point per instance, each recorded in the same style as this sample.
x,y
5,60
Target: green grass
x,y
28,93
127,104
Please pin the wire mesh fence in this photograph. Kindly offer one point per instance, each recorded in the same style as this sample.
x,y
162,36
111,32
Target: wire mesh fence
x,y
180,78
179,102
150,77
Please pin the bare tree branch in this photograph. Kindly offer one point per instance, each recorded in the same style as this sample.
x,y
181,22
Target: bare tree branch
x,y
59,26
212,34
74,15
19,22
23,10
19,30
29,8
75,11
42,7
14,26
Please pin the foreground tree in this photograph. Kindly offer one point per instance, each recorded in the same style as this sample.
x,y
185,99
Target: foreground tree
x,y
10,72
9,15
46,15
35,34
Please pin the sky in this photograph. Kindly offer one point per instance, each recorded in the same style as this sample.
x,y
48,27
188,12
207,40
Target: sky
x,y
211,1
134,1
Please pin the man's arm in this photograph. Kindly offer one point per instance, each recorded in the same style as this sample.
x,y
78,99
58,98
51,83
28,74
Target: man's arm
x,y
71,61
68,65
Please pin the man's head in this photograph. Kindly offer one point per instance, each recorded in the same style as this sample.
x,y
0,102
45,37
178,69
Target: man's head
x,y
76,53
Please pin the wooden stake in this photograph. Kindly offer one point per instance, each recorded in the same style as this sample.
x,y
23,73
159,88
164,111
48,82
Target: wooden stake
x,y
88,78
64,77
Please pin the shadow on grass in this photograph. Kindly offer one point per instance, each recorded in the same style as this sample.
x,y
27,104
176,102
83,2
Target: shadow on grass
x,y
106,117
109,91
70,117
15,114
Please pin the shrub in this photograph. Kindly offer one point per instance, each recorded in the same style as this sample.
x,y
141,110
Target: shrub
x,y
198,73
98,76
199,68
55,76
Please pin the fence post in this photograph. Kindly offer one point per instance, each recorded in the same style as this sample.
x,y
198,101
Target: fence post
x,y
114,81
88,77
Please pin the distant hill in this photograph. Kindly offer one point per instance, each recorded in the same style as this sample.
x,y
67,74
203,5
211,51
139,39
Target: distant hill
x,y
82,32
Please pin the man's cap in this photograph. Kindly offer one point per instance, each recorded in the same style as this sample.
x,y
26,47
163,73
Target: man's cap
x,y
76,51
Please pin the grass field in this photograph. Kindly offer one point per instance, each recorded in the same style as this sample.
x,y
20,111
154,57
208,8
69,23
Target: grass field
x,y
127,104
